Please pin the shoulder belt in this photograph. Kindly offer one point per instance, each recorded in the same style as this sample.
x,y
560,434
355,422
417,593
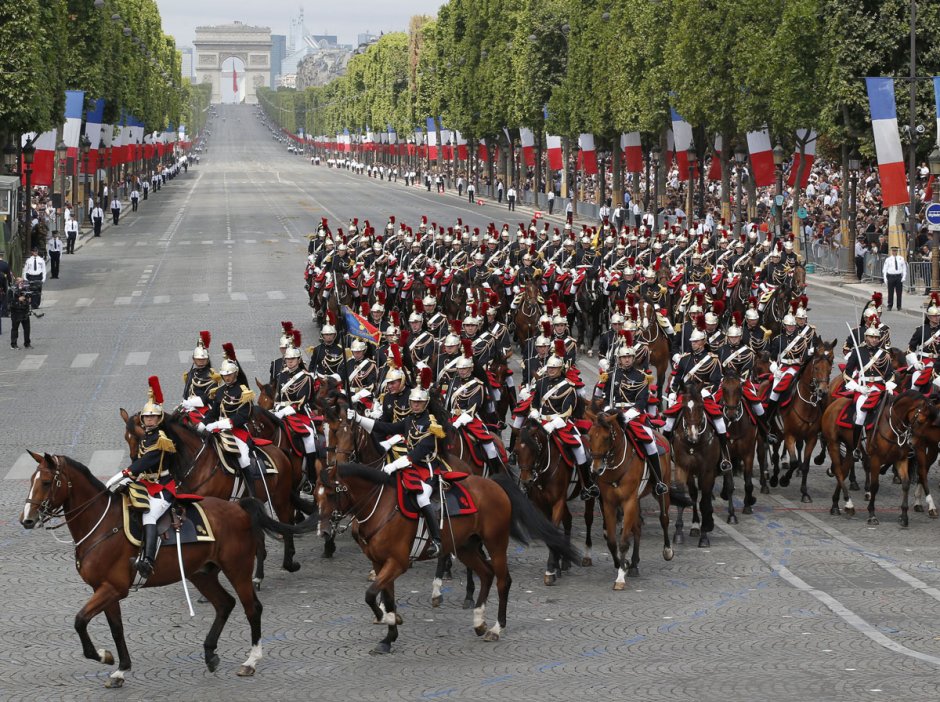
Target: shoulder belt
x,y
741,350
871,362
554,389
423,336
361,367
293,380
698,366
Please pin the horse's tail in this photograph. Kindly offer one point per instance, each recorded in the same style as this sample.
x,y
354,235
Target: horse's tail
x,y
307,506
260,521
528,523
679,497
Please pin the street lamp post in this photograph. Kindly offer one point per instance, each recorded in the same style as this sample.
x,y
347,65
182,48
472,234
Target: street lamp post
x,y
61,152
84,145
740,156
654,157
29,153
933,163
693,160
855,165
779,157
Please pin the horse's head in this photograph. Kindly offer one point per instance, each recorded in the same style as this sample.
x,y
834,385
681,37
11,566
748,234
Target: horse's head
x,y
693,419
344,437
530,449
499,367
798,279
823,360
48,490
601,438
333,499
265,395
732,396
761,363
133,433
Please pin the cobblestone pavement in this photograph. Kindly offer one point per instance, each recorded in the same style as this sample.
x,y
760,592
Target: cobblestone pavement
x,y
790,604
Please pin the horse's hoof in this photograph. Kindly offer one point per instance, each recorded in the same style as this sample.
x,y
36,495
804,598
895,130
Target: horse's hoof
x,y
703,542
849,511
436,601
246,671
694,531
773,481
806,498
853,485
105,657
468,603
784,481
896,480
329,548
819,460
835,511
257,583
633,572
903,521
480,630
550,579
829,472
764,490
381,649
586,562
918,508
867,496
371,576
932,513
114,683
491,636
732,519
873,521
212,662
618,586
678,538
750,500
291,567
668,553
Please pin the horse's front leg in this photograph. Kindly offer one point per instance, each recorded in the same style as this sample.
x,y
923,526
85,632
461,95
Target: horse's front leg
x,y
904,475
727,492
792,458
384,585
807,453
105,597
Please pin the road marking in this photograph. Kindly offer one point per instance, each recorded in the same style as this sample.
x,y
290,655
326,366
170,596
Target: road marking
x,y
142,243
834,605
84,360
118,243
251,241
207,243
137,293
238,296
246,355
50,302
105,463
22,469
137,358
184,243
31,362
201,297
161,299
275,295
123,300
84,301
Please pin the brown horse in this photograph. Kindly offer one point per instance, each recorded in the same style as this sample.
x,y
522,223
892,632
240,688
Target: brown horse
x,y
695,450
549,481
889,444
802,418
200,472
63,487
623,479
742,435
655,344
926,442
527,314
366,497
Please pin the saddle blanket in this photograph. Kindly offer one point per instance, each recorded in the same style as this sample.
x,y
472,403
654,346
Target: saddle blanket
x,y
459,501
847,415
195,526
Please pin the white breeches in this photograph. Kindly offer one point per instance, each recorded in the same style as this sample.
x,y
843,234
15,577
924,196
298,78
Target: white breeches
x,y
757,408
860,414
243,460
779,376
651,449
490,449
495,393
424,499
578,451
670,423
510,382
157,507
719,424
517,421
310,442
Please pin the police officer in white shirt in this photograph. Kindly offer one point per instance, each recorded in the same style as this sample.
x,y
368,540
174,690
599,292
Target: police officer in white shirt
x,y
54,249
97,219
116,208
135,199
895,275
511,198
71,234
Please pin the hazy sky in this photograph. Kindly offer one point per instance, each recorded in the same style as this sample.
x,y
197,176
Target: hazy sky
x,y
344,19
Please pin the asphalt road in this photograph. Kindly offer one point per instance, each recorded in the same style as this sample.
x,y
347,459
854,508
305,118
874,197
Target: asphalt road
x,y
790,604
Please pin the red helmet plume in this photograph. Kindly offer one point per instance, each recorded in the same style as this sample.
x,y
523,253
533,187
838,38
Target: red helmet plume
x,y
229,350
365,309
629,337
718,307
736,316
700,322
804,300
467,347
631,299
295,337
546,329
550,306
380,296
563,309
396,318
560,347
794,304
206,338
493,298
427,377
331,317
419,305
634,313
286,326
484,308
396,355
154,383
622,306
456,326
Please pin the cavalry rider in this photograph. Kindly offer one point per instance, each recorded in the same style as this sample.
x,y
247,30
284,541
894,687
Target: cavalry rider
x,y
421,345
627,390
772,276
923,350
534,366
277,365
376,314
327,358
789,350
152,469
560,332
393,400
447,356
701,366
737,358
755,336
868,374
465,397
361,372
293,402
435,322
230,410
714,336
608,340
553,402
201,380
420,431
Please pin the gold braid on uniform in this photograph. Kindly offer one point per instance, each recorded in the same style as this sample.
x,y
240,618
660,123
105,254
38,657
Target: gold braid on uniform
x,y
436,429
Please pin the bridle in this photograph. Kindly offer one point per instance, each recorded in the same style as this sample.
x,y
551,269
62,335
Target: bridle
x,y
606,461
338,514
538,471
47,512
686,429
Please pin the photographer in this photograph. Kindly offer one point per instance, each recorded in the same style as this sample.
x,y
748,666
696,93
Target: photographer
x,y
20,301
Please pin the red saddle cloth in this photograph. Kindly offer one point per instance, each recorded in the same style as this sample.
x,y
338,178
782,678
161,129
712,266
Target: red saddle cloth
x,y
170,487
459,500
847,414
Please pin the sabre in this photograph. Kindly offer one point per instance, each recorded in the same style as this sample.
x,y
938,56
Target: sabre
x,y
858,353
179,556
267,493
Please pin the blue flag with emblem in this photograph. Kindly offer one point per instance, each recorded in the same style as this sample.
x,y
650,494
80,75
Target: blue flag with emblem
x,y
359,327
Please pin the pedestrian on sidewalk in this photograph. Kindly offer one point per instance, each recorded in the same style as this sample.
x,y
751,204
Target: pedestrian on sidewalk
x,y
146,188
104,197
427,181
569,212
550,196
116,209
471,192
861,249
97,219
135,198
895,275
54,249
71,234
499,191
460,186
511,198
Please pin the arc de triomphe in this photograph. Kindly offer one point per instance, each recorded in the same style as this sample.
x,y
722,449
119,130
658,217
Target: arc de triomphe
x,y
252,45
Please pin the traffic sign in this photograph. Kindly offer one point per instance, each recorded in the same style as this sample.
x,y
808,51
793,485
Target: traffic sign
x,y
933,213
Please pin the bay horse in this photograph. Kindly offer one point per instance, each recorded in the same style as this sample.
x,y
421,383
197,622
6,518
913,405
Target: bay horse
x,y
549,480
889,444
695,450
63,487
526,318
802,417
655,344
366,497
200,472
742,440
623,478
587,310
926,442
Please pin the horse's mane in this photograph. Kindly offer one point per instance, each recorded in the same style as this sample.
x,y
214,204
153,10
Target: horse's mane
x,y
83,469
370,475
527,437
269,415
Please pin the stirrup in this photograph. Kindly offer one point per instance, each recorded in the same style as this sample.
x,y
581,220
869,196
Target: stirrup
x,y
589,492
144,566
433,548
660,489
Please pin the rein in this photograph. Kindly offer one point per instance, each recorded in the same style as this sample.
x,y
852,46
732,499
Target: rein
x,y
46,513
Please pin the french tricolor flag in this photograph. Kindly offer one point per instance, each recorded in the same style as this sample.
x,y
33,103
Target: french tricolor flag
x,y
461,146
808,136
72,129
44,159
483,153
554,152
682,136
93,120
762,158
632,151
528,146
432,138
714,168
884,122
588,154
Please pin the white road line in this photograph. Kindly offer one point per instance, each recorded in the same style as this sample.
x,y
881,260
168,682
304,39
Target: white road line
x,y
251,241
275,295
837,608
142,243
207,243
84,360
105,463
200,297
22,469
118,243
161,299
137,358
31,362
238,296
123,300
84,301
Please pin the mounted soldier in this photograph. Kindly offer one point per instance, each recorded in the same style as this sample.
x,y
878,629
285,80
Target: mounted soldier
x,y
923,350
200,382
277,365
788,351
465,397
868,375
293,403
230,411
737,358
327,358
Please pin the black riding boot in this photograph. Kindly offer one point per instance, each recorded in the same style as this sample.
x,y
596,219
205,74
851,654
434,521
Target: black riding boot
x,y
495,466
148,550
434,546
660,488
589,488
725,453
857,441
766,429
310,466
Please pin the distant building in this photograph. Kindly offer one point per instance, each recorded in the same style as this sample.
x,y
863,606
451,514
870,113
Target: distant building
x,y
187,62
366,38
287,80
278,54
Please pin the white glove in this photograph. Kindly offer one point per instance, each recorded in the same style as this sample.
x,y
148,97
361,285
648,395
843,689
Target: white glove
x,y
774,367
116,481
559,422
706,393
392,441
211,426
852,385
549,427
201,428
631,414
671,398
397,464
285,412
359,395
188,404
865,389
675,358
603,364
375,412
224,423
890,386
351,414
345,276
462,420
911,359
534,414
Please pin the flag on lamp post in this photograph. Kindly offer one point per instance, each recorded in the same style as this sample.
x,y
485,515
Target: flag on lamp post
x,y
884,122
588,155
714,168
809,156
555,161
432,138
762,158
234,79
528,146
632,149
682,134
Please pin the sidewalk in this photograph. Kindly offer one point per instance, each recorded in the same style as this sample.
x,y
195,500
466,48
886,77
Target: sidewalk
x,y
127,214
861,293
